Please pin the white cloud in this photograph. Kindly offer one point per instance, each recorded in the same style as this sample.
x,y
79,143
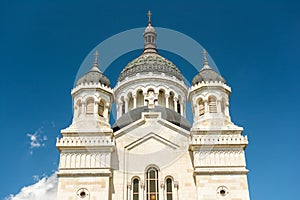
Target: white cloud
x,y
45,189
36,139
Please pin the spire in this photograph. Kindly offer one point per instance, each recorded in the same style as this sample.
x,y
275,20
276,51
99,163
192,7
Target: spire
x,y
205,60
150,36
96,58
95,65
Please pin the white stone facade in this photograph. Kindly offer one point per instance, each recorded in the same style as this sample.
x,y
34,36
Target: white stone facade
x,y
152,152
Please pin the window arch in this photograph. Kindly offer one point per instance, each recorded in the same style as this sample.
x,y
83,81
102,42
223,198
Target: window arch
x,y
140,98
162,98
169,188
135,189
212,104
90,106
130,102
171,101
152,184
201,107
101,108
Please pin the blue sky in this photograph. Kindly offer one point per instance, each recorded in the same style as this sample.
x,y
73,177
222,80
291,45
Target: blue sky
x,y
255,45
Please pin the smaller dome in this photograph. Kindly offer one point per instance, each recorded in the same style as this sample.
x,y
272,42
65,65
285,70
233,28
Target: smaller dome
x,y
94,76
207,74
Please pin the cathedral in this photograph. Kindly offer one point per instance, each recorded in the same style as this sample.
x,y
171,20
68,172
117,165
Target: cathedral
x,y
152,152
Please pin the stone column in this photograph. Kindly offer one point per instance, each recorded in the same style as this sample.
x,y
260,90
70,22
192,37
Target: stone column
x,y
175,103
227,109
128,190
219,106
83,108
105,113
175,193
162,195
167,100
181,108
206,109
126,104
120,104
96,104
134,101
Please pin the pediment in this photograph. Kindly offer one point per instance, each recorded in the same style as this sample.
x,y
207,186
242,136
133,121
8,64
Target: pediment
x,y
151,141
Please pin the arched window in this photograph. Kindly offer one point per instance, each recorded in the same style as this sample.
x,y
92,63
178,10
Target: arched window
x,y
152,184
201,107
212,104
162,98
101,108
135,189
90,106
130,102
140,98
169,189
171,101
123,107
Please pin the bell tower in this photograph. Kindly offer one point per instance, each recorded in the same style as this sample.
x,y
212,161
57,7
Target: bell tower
x,y
217,145
87,144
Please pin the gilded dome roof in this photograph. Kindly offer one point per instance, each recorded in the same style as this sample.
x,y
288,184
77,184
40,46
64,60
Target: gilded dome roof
x,y
150,62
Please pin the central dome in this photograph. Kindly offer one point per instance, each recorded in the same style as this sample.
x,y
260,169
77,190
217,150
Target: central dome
x,y
150,62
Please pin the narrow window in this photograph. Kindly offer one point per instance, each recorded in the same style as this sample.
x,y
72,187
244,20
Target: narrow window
x,y
140,98
152,184
162,98
101,108
212,104
171,101
90,106
135,189
201,107
123,107
169,190
178,107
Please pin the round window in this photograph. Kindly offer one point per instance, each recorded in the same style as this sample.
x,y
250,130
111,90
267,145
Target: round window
x,y
82,193
222,191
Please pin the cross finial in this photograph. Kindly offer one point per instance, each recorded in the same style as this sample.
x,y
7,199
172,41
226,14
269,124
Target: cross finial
x,y
205,61
96,57
149,16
